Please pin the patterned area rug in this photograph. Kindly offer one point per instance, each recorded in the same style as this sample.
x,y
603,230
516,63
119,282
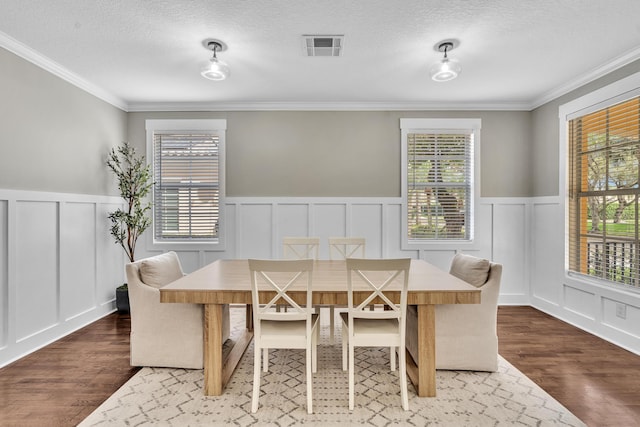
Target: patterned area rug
x,y
173,397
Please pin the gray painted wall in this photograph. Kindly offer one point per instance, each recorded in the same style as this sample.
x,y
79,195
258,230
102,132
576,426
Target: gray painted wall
x,y
53,136
346,153
546,128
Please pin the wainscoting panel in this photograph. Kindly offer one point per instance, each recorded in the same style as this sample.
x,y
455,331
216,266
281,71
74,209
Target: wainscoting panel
x,y
109,257
621,316
256,230
4,276
366,221
511,232
77,259
330,220
580,302
547,263
59,267
441,258
37,289
189,260
486,227
293,221
586,303
393,233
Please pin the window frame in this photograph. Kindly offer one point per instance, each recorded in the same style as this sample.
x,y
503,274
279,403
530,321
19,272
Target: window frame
x,y
214,126
607,96
443,125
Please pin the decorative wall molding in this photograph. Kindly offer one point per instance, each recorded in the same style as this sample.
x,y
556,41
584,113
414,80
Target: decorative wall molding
x,y
584,303
587,77
31,55
59,267
47,64
328,106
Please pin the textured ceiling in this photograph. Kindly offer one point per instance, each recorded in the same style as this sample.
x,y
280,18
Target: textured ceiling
x,y
146,54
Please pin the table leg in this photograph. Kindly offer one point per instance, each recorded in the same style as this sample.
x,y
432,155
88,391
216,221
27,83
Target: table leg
x,y
213,349
218,371
426,351
249,317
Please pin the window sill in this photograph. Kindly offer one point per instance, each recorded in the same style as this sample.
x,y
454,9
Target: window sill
x,y
602,284
182,245
439,245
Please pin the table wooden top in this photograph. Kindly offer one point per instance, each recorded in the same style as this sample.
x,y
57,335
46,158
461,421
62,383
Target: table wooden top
x,y
229,282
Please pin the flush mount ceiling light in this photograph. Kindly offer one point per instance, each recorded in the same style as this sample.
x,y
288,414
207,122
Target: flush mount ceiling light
x,y
446,69
214,69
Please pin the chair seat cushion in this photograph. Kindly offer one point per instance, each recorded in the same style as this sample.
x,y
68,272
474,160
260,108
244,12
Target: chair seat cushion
x,y
160,270
472,270
286,328
285,334
372,326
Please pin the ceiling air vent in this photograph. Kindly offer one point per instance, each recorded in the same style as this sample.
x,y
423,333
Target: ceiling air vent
x,y
323,45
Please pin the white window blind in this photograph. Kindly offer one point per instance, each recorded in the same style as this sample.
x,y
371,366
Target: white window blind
x,y
604,172
187,185
439,185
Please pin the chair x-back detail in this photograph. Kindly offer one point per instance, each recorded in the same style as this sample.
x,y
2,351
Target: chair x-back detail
x,y
300,247
371,280
346,247
273,281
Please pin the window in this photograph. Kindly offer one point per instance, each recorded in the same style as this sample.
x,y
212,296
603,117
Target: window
x,y
604,160
188,173
438,179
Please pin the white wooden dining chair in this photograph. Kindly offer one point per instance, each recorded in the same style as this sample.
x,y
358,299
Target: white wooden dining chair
x,y
373,279
342,248
297,328
300,247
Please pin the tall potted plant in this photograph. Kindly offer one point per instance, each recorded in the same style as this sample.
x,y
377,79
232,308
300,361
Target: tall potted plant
x,y
134,183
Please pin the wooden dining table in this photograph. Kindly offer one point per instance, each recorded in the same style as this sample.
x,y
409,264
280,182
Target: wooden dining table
x,y
229,282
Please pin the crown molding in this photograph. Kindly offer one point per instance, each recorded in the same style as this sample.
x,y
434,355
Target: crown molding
x,y
31,55
614,64
36,58
326,106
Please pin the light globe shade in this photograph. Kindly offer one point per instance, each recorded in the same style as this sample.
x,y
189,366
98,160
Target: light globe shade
x,y
445,70
215,70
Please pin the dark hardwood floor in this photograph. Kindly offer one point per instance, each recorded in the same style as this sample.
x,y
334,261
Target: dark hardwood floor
x,y
596,380
61,384
64,382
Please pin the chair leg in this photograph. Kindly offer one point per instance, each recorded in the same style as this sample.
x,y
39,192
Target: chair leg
x,y
344,348
331,323
314,348
256,380
309,377
392,356
265,357
351,377
403,379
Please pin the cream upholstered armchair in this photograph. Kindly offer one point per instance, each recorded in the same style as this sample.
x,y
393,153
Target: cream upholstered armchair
x,y
165,335
466,337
